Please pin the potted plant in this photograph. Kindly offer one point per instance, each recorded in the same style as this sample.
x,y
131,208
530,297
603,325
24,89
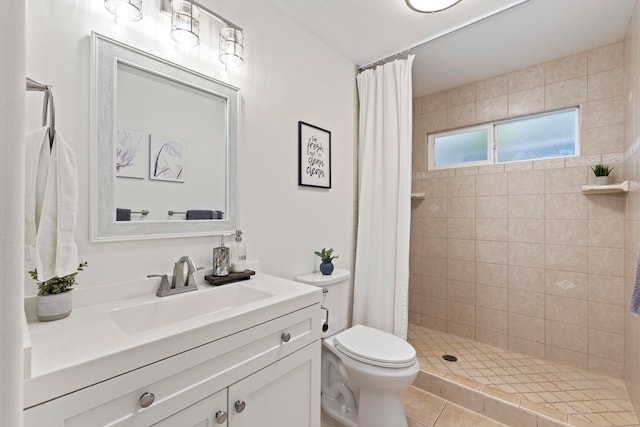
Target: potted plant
x,y
326,255
54,295
602,173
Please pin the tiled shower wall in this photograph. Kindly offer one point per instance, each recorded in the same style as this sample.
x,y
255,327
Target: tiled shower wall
x,y
514,254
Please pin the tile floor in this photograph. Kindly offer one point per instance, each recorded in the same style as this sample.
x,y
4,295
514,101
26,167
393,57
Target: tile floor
x,y
426,410
586,397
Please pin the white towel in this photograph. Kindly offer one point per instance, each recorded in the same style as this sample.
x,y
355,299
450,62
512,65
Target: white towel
x,y
51,204
634,304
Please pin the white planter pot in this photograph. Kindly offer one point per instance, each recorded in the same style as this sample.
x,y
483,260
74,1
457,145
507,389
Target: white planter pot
x,y
54,307
602,180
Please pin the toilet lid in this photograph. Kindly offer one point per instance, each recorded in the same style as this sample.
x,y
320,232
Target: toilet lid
x,y
375,347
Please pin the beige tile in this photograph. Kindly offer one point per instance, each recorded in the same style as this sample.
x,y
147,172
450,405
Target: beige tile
x,y
461,186
567,357
461,95
526,78
491,185
607,289
435,121
566,93
461,329
492,87
526,206
606,84
434,267
529,279
461,249
567,336
606,58
607,206
565,206
491,297
603,112
606,233
434,247
434,307
491,207
491,274
608,317
566,68
525,346
461,207
526,303
421,406
493,338
491,252
491,109
460,228
526,327
527,254
461,292
566,232
462,271
434,287
491,229
433,207
526,101
432,227
436,101
526,182
467,171
491,319
491,169
509,414
606,345
576,161
518,166
607,139
605,261
606,367
565,180
461,115
461,313
434,323
567,284
454,416
566,310
567,258
526,230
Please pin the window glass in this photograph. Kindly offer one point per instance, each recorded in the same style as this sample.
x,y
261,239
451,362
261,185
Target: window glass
x,y
465,147
550,135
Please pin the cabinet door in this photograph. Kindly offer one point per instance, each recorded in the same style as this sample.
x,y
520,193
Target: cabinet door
x,y
284,394
208,412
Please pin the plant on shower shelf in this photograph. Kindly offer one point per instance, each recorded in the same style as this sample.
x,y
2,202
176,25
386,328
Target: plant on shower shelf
x,y
327,256
602,173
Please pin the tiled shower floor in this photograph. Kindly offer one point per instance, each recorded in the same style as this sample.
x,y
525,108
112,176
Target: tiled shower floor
x,y
597,399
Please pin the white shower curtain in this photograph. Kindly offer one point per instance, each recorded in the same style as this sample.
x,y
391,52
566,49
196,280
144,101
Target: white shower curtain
x,y
381,280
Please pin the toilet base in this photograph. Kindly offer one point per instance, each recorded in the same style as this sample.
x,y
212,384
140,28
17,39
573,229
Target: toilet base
x,y
381,409
335,409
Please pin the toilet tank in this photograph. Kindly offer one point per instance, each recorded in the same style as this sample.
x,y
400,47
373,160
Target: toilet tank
x,y
335,297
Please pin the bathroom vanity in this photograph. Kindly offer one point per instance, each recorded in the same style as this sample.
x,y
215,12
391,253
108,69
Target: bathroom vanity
x,y
244,354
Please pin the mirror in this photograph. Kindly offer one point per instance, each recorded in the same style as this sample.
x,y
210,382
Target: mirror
x,y
163,149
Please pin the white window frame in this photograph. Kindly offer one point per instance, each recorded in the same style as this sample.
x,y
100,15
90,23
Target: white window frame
x,y
492,142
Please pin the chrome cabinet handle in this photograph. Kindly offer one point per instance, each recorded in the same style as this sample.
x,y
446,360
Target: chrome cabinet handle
x,y
240,405
146,399
221,417
286,336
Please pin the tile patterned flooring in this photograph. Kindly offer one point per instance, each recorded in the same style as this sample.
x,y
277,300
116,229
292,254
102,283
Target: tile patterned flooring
x,y
587,398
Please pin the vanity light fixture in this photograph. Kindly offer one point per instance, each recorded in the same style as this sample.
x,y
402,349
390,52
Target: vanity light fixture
x,y
231,46
431,6
185,23
129,10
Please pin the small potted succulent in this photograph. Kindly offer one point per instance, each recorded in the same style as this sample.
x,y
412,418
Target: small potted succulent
x,y
54,295
326,255
602,173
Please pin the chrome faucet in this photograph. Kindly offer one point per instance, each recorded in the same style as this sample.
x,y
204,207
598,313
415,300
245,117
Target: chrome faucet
x,y
178,282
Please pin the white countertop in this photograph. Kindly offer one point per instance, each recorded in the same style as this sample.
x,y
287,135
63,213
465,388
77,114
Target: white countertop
x,y
88,346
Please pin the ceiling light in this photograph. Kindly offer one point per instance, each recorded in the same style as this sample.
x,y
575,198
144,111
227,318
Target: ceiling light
x,y
129,10
231,46
431,6
185,23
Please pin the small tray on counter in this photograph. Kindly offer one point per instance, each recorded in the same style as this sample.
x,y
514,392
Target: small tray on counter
x,y
232,277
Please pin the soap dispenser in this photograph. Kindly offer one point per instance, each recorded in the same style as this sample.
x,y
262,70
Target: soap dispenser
x,y
238,255
221,259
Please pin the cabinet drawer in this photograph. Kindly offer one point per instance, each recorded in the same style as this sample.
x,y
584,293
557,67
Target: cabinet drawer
x,y
180,380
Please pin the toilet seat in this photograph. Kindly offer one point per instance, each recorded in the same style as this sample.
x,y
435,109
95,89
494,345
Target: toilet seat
x,y
375,347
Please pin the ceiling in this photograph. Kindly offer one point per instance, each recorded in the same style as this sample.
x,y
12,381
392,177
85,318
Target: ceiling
x,y
471,41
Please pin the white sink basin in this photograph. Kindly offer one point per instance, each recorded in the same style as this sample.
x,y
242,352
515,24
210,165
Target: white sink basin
x,y
175,308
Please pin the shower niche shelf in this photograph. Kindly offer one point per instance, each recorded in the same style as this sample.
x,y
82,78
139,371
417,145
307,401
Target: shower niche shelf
x,y
417,196
606,189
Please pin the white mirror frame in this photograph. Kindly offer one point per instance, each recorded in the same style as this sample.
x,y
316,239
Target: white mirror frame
x,y
106,53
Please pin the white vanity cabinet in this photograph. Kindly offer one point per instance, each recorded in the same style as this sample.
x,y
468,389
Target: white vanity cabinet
x,y
266,375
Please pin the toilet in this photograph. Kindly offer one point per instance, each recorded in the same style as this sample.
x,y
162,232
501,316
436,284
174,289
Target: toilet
x,y
364,370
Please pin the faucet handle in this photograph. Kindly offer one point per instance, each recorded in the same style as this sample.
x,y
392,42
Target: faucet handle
x,y
164,284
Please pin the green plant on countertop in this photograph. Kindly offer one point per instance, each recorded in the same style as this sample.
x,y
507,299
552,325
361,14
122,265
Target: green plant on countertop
x,y
602,170
56,285
326,255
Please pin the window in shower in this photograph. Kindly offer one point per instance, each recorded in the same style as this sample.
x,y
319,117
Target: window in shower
x,y
541,136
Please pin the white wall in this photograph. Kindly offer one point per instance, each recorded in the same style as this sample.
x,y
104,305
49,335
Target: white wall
x,y
288,76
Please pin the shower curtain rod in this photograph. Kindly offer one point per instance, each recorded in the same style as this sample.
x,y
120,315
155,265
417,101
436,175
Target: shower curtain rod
x,y
462,26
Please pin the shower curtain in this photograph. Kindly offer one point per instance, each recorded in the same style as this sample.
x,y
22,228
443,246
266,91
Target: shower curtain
x,y
381,279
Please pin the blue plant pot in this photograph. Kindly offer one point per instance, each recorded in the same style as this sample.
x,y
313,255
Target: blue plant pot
x,y
326,268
